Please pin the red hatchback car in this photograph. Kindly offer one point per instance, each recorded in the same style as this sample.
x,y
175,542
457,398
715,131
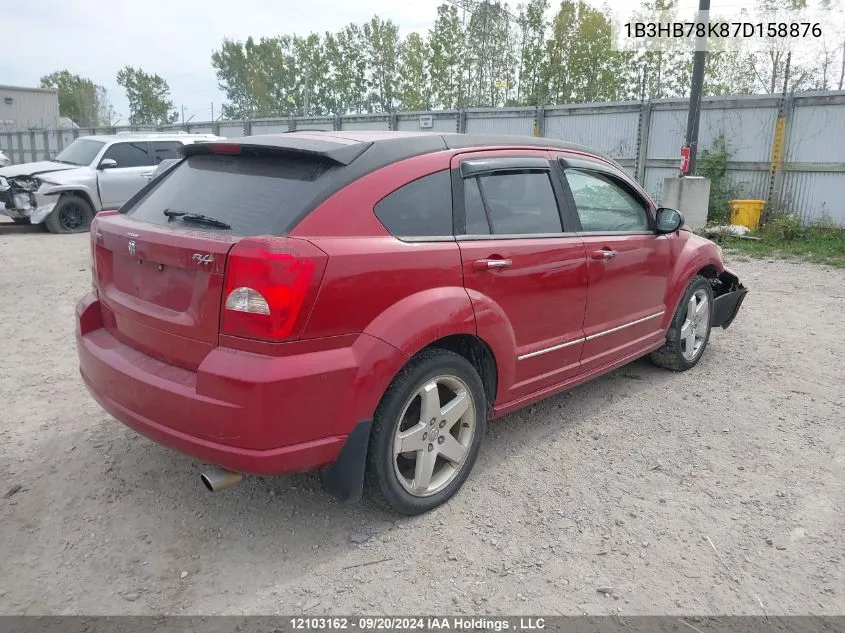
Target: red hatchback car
x,y
363,303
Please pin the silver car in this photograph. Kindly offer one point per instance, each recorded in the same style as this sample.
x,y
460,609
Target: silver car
x,y
91,174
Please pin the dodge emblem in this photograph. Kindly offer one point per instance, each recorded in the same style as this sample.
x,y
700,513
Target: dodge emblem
x,y
131,247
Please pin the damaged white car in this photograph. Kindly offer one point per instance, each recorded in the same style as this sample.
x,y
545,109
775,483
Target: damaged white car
x,y
91,174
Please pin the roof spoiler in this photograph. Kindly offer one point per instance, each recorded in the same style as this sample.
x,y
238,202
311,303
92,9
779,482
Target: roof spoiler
x,y
339,153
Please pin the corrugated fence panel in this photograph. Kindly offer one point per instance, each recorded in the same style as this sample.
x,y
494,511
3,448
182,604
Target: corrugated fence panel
x,y
748,130
613,133
749,184
653,182
520,124
445,123
269,127
817,134
26,146
666,135
381,124
67,137
202,129
815,195
40,148
315,123
231,129
53,142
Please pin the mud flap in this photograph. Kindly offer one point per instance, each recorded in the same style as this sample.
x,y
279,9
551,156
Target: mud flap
x,y
345,479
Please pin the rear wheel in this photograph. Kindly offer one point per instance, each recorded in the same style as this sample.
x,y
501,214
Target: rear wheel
x,y
73,214
689,331
427,432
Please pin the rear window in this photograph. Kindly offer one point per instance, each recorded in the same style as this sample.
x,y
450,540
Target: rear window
x,y
255,195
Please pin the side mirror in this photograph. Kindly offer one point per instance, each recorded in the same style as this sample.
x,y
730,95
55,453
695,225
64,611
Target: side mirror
x,y
107,163
668,220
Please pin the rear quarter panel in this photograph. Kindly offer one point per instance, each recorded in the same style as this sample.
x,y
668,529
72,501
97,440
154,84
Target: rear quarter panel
x,y
407,294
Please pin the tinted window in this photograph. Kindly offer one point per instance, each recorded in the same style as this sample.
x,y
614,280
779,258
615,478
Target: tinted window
x,y
163,150
130,154
476,216
422,208
81,152
256,195
520,203
603,205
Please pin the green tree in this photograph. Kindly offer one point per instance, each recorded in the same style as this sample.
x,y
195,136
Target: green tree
x,y
490,55
80,99
580,65
414,85
347,61
382,46
448,45
242,70
532,22
148,96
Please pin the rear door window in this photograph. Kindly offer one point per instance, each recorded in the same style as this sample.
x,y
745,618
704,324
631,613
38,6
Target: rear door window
x,y
256,195
420,209
130,154
516,203
164,150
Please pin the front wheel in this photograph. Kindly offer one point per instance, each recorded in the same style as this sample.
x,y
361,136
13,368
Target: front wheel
x,y
427,432
72,214
689,331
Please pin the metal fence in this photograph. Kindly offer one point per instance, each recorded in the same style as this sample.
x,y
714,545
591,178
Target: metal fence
x,y
789,151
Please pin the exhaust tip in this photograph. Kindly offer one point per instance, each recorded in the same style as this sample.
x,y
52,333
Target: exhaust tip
x,y
206,482
217,479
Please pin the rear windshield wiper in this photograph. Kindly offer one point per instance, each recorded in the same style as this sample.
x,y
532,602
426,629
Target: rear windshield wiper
x,y
197,217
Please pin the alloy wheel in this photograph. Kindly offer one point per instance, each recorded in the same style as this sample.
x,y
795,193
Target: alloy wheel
x,y
696,325
71,217
434,435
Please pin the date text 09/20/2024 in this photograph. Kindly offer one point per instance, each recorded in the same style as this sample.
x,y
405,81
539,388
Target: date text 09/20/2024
x,y
419,623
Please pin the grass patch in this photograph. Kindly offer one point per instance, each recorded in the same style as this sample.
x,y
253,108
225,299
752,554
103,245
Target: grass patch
x,y
785,237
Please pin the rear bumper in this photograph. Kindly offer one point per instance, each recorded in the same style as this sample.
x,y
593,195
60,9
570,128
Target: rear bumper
x,y
256,414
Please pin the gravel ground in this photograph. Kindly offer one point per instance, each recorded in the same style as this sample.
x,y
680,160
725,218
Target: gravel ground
x,y
718,491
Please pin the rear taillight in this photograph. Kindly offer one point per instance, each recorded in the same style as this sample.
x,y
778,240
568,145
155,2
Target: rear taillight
x,y
270,284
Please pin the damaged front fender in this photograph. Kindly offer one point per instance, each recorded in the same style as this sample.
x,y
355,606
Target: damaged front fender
x,y
22,197
728,295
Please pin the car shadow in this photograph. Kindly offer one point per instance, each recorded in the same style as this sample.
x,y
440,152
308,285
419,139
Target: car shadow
x,y
7,227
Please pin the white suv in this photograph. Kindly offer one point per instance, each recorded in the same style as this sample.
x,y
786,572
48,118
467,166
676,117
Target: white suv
x,y
90,174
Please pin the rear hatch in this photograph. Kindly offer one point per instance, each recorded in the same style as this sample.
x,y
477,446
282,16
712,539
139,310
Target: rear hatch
x,y
207,235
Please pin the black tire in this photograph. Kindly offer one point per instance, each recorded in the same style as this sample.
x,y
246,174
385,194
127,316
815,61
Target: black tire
x,y
381,472
73,214
671,355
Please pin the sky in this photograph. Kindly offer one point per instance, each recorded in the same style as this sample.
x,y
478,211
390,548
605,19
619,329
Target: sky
x,y
175,38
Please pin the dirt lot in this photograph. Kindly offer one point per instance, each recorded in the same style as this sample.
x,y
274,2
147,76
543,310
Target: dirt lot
x,y
716,491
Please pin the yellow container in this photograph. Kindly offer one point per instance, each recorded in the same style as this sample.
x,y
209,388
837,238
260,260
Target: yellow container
x,y
747,212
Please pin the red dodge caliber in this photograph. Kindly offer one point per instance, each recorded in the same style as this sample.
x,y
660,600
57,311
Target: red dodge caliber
x,y
363,303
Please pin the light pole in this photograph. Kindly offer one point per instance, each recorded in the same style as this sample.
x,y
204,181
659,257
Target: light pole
x,y
694,117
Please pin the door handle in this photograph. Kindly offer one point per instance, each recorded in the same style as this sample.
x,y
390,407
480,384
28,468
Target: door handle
x,y
603,254
486,264
148,175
